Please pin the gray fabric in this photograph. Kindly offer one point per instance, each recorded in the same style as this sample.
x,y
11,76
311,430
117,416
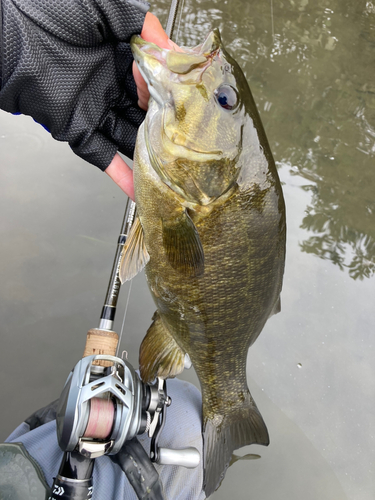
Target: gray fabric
x,y
20,476
182,429
43,415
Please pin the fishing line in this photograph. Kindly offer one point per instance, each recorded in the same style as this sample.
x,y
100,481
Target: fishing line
x,y
272,27
123,321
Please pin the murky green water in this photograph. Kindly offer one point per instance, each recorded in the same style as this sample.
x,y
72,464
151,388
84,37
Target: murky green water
x,y
311,67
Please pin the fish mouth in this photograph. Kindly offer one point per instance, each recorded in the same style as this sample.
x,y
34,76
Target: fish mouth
x,y
157,64
179,61
160,66
140,49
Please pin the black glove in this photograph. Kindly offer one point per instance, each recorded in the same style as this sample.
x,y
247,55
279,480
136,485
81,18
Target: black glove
x,y
68,64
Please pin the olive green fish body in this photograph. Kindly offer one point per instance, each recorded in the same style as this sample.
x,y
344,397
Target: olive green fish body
x,y
212,229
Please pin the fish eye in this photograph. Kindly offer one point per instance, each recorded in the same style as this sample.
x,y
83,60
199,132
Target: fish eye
x,y
226,96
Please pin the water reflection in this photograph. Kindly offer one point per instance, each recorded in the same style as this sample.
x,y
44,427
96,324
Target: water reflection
x,y
311,69
335,239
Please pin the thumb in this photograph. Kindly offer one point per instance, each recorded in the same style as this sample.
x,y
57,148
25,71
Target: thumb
x,y
153,31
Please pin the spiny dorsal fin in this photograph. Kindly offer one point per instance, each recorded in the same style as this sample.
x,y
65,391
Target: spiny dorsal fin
x,y
159,354
183,245
134,255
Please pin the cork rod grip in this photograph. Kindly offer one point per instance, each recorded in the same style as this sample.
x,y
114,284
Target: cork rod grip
x,y
101,342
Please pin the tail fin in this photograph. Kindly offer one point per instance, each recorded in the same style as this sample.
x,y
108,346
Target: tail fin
x,y
237,429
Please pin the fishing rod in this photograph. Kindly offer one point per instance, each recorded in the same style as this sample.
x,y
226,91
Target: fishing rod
x,y
104,404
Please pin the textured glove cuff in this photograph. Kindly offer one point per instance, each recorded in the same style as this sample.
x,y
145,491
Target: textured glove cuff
x,y
68,64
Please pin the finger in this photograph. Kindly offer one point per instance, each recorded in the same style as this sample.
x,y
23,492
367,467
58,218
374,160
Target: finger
x,y
152,31
122,174
121,127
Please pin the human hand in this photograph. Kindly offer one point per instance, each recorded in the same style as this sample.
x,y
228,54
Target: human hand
x,y
152,31
68,64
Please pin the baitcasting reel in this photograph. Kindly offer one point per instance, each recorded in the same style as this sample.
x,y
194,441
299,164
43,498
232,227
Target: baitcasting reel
x,y
102,407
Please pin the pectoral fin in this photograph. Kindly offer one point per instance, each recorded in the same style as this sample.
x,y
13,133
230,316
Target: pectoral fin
x,y
134,255
183,245
160,355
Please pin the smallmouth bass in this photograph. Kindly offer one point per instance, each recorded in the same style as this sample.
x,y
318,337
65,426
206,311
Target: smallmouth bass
x,y
210,232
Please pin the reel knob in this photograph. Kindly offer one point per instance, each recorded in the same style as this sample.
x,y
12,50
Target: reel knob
x,y
186,457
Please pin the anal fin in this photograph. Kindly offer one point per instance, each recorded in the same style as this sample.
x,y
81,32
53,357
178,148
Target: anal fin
x,y
160,355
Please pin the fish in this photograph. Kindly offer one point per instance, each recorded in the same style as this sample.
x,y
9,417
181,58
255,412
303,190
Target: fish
x,y
210,233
